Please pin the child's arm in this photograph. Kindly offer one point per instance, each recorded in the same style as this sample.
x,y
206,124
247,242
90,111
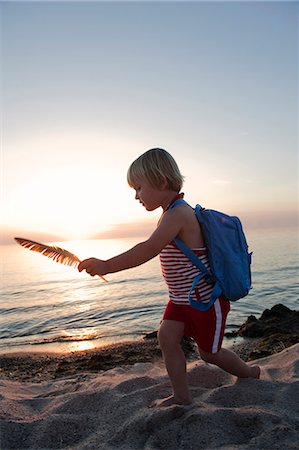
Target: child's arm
x,y
169,227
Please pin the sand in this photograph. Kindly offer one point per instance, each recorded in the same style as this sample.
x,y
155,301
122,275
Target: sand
x,y
110,409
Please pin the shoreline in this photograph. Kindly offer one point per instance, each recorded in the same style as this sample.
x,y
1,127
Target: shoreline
x,y
39,367
276,330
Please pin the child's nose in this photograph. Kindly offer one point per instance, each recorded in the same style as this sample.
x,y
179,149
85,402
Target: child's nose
x,y
136,196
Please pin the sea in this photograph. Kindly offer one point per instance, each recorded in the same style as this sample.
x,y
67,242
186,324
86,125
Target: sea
x,y
48,307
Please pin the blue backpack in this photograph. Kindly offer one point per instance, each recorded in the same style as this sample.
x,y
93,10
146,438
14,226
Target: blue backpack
x,y
228,256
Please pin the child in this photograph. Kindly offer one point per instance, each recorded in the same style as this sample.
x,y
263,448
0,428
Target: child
x,y
157,181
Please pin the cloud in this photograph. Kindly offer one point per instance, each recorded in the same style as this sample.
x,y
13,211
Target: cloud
x,y
128,230
7,235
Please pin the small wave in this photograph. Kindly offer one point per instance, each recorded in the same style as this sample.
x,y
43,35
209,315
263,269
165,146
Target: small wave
x,y
286,269
49,340
26,309
77,338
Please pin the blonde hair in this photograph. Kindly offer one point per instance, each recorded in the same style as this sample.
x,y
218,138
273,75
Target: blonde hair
x,y
156,165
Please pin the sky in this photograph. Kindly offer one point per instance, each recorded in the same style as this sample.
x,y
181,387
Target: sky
x,y
89,86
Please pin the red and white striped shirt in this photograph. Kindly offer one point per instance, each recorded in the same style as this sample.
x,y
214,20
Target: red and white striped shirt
x,y
179,273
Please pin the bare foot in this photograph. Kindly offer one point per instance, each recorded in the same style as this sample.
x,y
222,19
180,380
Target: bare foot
x,y
168,401
255,372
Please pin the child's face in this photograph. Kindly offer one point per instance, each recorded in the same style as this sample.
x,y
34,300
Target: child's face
x,y
149,196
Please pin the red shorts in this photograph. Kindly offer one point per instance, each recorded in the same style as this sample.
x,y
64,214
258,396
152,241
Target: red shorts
x,y
205,327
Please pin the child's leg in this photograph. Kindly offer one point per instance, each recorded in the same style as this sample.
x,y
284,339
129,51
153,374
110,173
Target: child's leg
x,y
170,335
231,363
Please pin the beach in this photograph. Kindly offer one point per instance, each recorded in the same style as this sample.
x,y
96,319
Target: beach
x,y
110,409
100,399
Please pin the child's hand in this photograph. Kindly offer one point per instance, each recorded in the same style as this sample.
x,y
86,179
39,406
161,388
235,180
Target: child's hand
x,y
93,266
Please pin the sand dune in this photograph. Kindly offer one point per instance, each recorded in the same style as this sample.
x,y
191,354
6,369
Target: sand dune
x,y
111,410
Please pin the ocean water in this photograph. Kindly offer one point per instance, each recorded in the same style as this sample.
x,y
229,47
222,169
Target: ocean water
x,y
45,306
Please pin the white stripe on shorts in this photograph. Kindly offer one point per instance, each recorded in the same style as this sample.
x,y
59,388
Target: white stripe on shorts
x,y
218,313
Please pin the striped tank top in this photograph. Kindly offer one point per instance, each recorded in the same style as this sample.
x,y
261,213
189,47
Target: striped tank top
x,y
179,273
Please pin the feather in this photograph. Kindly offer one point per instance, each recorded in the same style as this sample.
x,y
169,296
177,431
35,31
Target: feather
x,y
58,254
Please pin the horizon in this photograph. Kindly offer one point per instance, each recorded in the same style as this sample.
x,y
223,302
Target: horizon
x,y
81,104
143,229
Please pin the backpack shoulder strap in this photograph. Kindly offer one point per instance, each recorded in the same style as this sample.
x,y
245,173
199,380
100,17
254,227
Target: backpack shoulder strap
x,y
192,256
187,250
217,291
179,201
